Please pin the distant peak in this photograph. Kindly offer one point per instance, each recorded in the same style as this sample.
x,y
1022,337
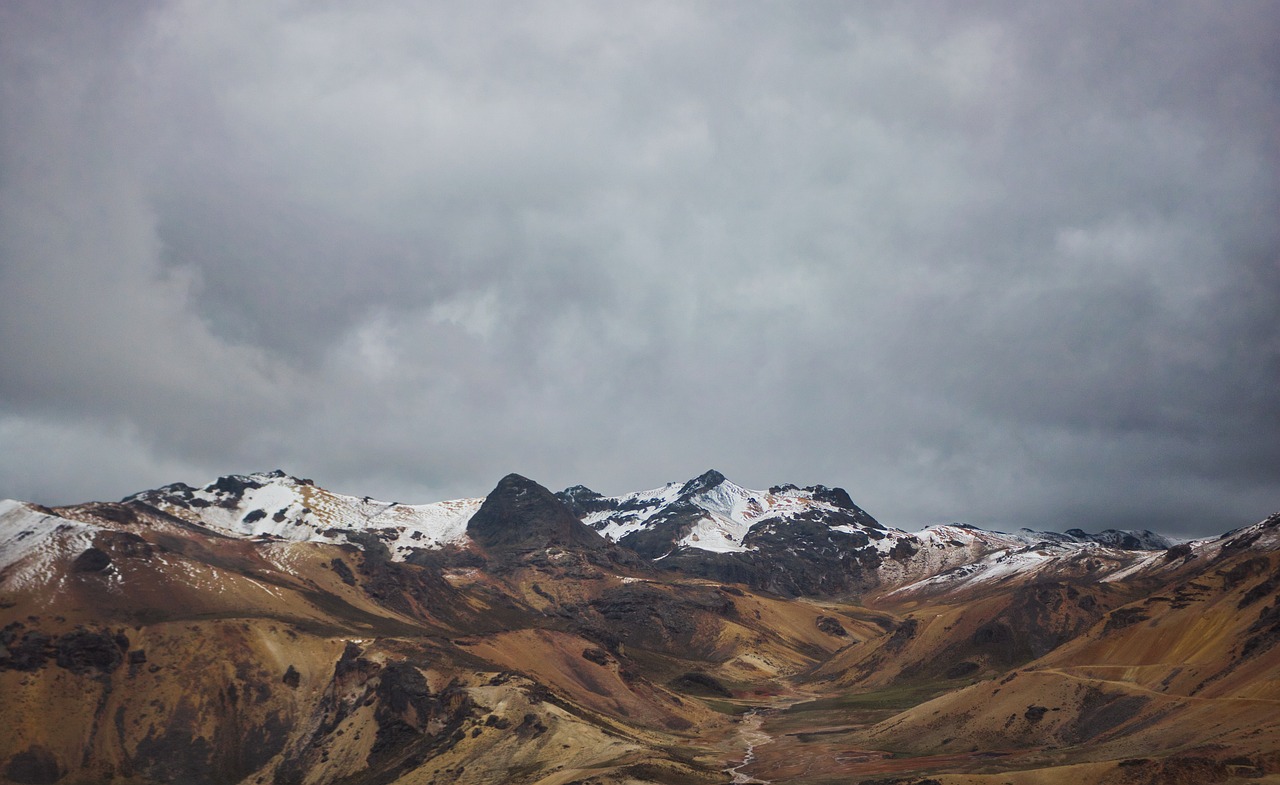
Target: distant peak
x,y
228,486
281,474
837,496
703,482
578,493
237,484
581,500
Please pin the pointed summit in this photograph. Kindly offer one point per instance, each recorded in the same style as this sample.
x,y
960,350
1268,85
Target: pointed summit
x,y
520,514
703,482
582,501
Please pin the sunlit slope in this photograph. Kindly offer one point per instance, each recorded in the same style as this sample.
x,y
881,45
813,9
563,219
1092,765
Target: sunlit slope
x,y
1191,667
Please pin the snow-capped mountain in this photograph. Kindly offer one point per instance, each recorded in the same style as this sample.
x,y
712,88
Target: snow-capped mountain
x,y
787,539
33,540
816,540
274,505
710,513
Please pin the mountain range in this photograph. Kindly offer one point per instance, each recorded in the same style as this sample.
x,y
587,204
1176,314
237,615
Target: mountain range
x,y
262,629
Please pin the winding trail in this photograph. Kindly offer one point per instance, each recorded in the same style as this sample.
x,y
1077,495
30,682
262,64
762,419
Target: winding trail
x,y
1135,687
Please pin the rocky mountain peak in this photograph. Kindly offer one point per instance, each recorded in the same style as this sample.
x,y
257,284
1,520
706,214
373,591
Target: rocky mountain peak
x,y
582,501
836,496
579,492
702,483
520,514
1141,540
228,486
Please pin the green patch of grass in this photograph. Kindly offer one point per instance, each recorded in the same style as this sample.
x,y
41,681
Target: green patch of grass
x,y
850,711
895,698
731,708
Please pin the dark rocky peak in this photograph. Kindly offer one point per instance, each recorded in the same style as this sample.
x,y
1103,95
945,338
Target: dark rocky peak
x,y
579,493
178,490
1071,535
228,489
583,501
234,484
834,496
520,514
1113,538
1142,540
839,497
704,482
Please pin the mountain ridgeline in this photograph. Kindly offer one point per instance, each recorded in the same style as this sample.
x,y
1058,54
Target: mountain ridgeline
x,y
262,629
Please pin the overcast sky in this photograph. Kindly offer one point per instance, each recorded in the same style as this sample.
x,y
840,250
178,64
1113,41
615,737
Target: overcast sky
x,y
1008,264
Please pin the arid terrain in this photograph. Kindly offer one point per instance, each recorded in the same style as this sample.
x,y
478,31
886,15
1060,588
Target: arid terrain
x,y
264,630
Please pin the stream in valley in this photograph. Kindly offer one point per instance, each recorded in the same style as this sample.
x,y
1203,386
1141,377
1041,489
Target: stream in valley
x,y
752,735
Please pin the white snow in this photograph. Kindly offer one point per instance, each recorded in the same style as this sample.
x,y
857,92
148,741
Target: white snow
x,y
718,534
286,509
617,525
993,557
32,542
730,512
1151,560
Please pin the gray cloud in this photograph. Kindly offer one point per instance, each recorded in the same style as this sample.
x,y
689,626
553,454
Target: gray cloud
x,y
1009,264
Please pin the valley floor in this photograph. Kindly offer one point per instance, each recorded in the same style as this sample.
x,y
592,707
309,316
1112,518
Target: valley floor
x,y
817,740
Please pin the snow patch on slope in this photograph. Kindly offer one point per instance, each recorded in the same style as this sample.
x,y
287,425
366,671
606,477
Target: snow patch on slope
x,y
633,511
274,506
955,556
718,534
33,543
730,512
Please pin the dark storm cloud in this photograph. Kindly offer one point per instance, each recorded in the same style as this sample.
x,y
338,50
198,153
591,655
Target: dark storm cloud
x,y
1009,264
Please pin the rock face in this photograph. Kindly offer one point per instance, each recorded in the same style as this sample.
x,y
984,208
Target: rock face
x,y
521,515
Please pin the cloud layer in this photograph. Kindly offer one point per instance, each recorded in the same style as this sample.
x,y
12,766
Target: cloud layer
x,y
1013,265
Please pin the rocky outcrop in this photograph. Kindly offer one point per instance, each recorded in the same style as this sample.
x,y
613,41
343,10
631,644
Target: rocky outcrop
x,y
521,515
